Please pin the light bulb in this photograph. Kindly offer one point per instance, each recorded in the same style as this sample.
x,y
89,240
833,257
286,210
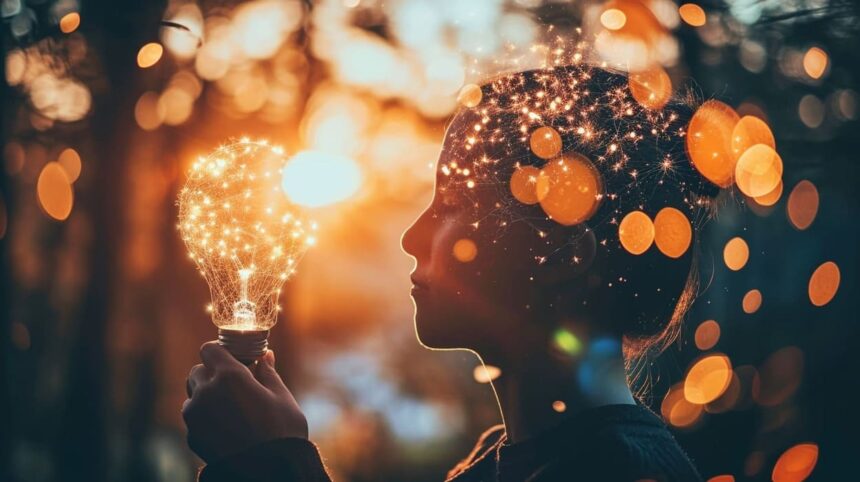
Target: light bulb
x,y
246,238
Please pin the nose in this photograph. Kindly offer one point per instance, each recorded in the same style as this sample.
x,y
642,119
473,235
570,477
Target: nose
x,y
415,240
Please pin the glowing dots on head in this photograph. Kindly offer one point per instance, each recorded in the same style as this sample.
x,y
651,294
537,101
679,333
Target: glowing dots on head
x,y
672,232
824,283
707,379
652,88
736,253
709,142
797,463
569,189
758,171
545,142
470,95
524,184
802,206
751,302
465,250
636,232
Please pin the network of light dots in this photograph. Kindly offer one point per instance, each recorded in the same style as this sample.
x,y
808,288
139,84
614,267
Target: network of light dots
x,y
242,231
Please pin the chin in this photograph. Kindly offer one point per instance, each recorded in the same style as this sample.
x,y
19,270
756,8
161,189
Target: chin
x,y
433,333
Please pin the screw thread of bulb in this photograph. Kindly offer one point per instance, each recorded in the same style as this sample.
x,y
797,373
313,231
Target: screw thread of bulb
x,y
245,346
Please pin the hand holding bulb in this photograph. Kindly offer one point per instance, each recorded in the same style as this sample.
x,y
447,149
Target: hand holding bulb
x,y
246,238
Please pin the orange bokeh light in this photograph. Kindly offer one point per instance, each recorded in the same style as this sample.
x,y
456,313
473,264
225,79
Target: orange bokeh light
x,y
486,373
815,62
722,478
70,22
524,184
770,198
692,14
652,88
677,410
796,463
802,206
749,131
707,335
758,171
709,141
707,379
736,253
465,250
569,189
672,232
54,191
636,232
149,55
71,162
751,302
545,142
470,95
613,18
824,283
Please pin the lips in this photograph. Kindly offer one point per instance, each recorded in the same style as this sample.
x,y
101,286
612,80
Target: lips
x,y
419,284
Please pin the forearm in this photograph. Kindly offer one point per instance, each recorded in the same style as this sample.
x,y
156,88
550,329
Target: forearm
x,y
282,460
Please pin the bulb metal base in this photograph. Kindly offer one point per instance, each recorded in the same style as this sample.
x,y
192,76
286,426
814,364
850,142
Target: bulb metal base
x,y
245,346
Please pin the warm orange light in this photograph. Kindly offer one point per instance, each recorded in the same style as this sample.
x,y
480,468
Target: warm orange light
x,y
559,406
802,206
770,198
613,19
545,142
730,397
815,62
722,478
707,335
677,410
736,253
149,55
636,232
692,14
524,183
707,379
316,178
758,171
824,283
55,191
751,302
672,232
796,463
651,88
175,106
465,250
749,131
709,141
569,189
470,95
71,162
70,22
486,373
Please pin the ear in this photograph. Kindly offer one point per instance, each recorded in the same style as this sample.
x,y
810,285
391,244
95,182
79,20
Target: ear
x,y
574,252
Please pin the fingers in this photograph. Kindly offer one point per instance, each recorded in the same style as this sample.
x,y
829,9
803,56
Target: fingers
x,y
198,375
216,357
267,375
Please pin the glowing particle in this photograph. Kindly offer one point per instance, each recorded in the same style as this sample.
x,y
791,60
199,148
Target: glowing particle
x,y
692,14
707,379
545,142
71,162
749,131
824,283
569,189
524,184
146,112
613,19
470,95
486,373
672,232
815,62
651,88
465,250
707,335
70,22
751,302
149,55
677,411
567,342
559,406
802,206
736,253
636,232
55,191
758,171
770,198
315,178
709,142
796,463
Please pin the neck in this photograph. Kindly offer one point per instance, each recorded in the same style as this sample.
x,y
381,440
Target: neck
x,y
538,392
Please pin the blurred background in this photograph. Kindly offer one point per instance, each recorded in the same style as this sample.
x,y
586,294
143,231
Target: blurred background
x,y
106,103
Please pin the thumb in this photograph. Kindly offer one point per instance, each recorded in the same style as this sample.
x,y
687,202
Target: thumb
x,y
267,375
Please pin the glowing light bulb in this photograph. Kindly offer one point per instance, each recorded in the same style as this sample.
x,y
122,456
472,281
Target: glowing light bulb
x,y
246,238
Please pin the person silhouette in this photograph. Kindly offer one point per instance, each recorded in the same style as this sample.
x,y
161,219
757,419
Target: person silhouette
x,y
524,257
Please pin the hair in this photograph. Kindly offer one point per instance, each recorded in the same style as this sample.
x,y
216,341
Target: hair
x,y
640,156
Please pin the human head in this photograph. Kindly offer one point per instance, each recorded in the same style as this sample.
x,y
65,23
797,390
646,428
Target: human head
x,y
522,236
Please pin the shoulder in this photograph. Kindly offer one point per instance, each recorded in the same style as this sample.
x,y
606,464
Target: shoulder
x,y
484,448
